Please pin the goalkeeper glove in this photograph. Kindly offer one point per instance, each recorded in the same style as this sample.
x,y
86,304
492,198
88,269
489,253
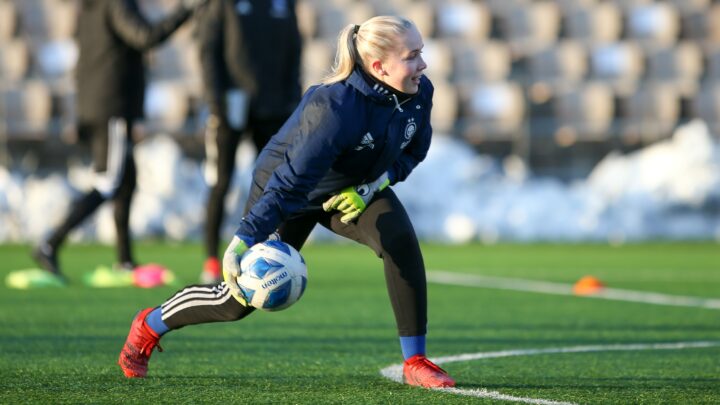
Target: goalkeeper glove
x,y
231,266
352,201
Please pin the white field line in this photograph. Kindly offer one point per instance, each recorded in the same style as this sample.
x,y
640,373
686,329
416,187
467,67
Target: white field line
x,y
546,287
394,372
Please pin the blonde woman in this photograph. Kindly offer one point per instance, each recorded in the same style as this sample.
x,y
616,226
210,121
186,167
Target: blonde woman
x,y
364,128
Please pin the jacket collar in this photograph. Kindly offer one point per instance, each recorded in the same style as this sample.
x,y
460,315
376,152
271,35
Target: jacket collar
x,y
375,90
357,81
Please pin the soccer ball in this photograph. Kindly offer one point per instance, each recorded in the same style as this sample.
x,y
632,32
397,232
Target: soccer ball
x,y
273,275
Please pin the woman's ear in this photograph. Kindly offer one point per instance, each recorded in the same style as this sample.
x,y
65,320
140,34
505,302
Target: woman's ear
x,y
378,69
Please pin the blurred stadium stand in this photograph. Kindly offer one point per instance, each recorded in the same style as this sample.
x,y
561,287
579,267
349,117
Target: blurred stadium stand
x,y
559,83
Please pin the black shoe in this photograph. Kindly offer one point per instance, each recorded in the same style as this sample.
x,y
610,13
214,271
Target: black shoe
x,y
125,266
46,257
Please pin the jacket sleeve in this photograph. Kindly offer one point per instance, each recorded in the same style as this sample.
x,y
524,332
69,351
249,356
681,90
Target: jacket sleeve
x,y
322,137
418,148
210,25
129,24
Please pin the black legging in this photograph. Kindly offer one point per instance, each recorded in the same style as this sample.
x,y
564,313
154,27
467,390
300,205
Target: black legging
x,y
384,227
226,142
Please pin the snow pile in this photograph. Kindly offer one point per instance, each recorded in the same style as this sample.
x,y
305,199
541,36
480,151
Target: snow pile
x,y
670,190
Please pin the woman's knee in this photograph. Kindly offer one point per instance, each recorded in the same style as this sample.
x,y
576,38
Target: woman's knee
x,y
401,240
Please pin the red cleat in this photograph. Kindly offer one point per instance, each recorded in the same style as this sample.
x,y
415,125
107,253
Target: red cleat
x,y
138,347
420,371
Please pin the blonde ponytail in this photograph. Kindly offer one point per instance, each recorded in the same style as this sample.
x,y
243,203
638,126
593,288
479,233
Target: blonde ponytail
x,y
357,44
345,56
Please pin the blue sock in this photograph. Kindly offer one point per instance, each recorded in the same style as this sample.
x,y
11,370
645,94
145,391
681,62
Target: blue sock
x,y
155,322
412,345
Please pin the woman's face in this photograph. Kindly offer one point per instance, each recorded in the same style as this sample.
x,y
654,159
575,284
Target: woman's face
x,y
404,65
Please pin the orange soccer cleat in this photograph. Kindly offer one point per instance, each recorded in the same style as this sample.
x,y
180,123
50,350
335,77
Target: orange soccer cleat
x,y
211,273
420,371
138,347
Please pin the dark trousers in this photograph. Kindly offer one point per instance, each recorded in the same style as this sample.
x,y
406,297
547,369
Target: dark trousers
x,y
115,179
384,227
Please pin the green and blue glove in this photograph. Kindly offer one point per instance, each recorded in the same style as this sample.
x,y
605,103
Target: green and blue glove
x,y
234,253
353,200
231,266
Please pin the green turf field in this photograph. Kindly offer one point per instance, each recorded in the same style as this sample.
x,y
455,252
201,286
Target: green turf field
x,y
60,345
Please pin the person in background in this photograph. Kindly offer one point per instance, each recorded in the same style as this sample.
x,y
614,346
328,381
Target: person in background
x,y
365,128
250,58
112,37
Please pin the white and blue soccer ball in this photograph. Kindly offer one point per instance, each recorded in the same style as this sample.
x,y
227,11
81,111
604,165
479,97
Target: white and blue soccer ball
x,y
274,275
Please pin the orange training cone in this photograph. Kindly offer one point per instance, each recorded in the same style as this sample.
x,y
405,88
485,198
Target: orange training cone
x,y
588,285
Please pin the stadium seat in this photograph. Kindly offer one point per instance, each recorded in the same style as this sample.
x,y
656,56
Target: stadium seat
x,y
713,62
31,19
307,16
8,20
584,113
27,108
502,8
439,58
174,61
154,10
48,19
626,5
489,61
463,19
706,105
445,107
166,105
566,61
65,100
332,19
357,13
14,61
595,23
492,112
650,114
531,27
389,7
680,65
685,7
567,5
697,24
621,64
653,24
62,19
177,61
57,58
317,57
423,15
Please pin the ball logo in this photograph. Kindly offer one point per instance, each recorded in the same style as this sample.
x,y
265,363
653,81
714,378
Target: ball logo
x,y
274,280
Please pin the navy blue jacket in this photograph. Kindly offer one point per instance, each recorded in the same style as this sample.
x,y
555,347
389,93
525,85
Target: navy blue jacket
x,y
343,134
